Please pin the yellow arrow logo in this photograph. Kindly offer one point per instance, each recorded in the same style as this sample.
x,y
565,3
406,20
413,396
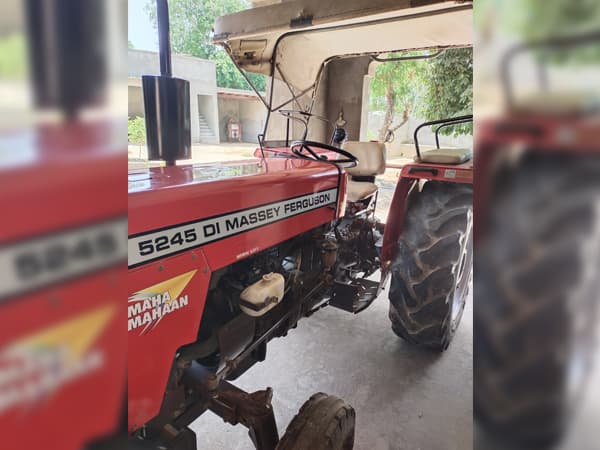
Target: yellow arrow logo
x,y
76,335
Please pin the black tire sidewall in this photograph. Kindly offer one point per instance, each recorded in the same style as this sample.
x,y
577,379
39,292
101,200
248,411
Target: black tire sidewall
x,y
440,214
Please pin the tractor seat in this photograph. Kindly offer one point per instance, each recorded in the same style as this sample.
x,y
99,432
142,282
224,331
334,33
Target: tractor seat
x,y
559,103
446,156
359,190
371,162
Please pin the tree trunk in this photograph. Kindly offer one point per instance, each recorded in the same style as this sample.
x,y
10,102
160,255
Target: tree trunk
x,y
388,128
405,113
390,101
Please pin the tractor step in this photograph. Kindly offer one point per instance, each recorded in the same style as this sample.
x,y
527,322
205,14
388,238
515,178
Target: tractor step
x,y
356,296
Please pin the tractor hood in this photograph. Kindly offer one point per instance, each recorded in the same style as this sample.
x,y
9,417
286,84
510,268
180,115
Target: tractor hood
x,y
293,39
252,204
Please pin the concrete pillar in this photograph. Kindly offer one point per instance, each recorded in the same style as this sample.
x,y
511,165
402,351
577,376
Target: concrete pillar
x,y
213,119
116,33
195,125
345,92
364,114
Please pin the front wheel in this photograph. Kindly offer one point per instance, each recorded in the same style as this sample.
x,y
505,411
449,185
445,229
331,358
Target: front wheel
x,y
324,422
432,270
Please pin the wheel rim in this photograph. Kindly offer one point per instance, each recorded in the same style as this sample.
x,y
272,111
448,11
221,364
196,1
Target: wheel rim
x,y
580,354
463,278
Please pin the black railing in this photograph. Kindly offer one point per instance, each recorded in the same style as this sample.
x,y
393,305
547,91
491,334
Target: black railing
x,y
443,123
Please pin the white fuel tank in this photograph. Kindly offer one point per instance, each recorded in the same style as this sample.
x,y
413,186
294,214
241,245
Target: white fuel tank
x,y
262,296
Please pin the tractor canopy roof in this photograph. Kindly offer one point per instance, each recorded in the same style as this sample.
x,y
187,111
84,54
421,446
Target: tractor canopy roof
x,y
293,40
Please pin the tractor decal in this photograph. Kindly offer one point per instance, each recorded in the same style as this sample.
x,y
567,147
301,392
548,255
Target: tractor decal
x,y
156,244
146,308
33,263
35,367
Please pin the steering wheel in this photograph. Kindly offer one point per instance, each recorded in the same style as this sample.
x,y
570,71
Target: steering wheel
x,y
298,148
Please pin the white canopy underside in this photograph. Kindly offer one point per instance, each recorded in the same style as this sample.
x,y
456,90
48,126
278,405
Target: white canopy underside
x,y
375,26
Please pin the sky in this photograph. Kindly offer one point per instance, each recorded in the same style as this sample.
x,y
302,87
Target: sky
x,y
141,32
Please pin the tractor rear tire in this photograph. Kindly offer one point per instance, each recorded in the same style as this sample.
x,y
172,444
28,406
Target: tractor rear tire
x,y
432,270
324,422
534,322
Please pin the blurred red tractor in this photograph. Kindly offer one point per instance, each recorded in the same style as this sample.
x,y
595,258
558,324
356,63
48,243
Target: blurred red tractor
x,y
63,247
537,193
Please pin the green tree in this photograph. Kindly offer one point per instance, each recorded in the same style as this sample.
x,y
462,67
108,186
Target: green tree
x,y
13,57
448,89
551,18
136,131
534,20
130,44
431,88
191,24
395,89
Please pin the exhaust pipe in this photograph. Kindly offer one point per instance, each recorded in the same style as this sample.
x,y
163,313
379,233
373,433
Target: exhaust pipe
x,y
68,66
166,103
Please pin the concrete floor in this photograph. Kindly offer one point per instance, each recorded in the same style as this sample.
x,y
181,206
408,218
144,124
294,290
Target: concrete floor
x,y
404,398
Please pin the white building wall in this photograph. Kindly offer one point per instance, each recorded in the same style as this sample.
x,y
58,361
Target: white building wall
x,y
200,73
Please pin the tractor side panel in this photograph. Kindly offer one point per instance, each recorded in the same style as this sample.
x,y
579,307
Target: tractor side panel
x,y
164,308
61,351
228,251
62,325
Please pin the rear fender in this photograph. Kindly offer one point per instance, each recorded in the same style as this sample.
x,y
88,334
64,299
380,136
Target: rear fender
x,y
507,139
395,220
410,175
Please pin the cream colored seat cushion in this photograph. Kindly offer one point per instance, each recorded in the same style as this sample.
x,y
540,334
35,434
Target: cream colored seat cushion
x,y
559,103
358,190
446,156
371,158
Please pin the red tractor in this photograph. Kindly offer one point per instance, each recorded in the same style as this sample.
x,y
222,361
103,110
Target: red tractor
x,y
225,257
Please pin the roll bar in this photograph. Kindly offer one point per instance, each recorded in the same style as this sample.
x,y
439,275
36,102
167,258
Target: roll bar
x,y
449,121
